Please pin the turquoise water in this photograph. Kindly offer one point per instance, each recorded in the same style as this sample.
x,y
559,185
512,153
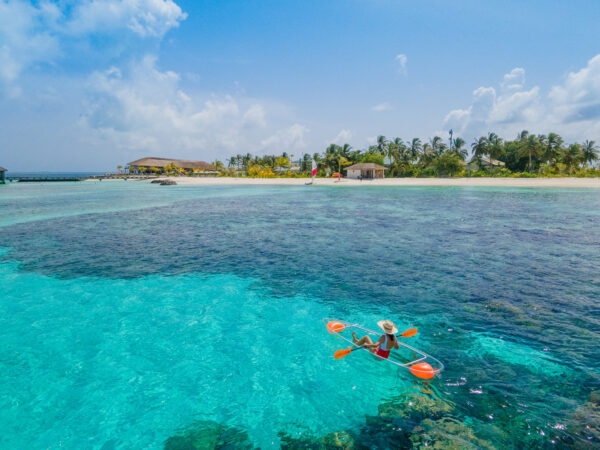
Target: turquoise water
x,y
132,314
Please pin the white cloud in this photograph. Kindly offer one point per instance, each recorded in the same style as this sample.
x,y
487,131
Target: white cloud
x,y
255,115
515,79
381,107
24,41
578,99
571,108
343,137
143,17
37,33
291,138
402,60
142,110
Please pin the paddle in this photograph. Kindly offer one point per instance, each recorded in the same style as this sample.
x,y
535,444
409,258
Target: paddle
x,y
339,354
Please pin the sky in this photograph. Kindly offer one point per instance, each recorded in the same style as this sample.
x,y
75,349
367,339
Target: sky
x,y
91,84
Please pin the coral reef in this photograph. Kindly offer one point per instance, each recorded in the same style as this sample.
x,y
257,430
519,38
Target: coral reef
x,y
207,435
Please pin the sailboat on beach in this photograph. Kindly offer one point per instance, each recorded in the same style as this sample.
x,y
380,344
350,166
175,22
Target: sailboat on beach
x,y
314,173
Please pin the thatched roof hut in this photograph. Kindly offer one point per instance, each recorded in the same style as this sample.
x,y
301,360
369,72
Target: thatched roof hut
x,y
161,163
365,170
486,162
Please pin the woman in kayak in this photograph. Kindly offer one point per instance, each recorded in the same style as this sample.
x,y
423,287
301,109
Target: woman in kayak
x,y
384,344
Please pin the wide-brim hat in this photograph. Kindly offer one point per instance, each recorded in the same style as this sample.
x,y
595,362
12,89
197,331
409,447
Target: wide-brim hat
x,y
388,326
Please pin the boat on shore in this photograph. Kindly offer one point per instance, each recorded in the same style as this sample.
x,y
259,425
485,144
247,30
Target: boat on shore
x,y
417,362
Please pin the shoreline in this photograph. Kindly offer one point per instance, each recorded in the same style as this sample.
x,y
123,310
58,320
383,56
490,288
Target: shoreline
x,y
567,182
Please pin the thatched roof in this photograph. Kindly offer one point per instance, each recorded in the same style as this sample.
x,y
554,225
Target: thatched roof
x,y
365,166
162,162
2,169
486,160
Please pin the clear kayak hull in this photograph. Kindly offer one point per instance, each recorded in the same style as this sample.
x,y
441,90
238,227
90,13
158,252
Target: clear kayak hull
x,y
417,362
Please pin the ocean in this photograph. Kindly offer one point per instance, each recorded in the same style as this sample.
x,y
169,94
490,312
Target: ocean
x,y
140,316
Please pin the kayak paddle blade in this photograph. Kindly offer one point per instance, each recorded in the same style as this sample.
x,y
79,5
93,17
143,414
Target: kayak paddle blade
x,y
410,332
339,354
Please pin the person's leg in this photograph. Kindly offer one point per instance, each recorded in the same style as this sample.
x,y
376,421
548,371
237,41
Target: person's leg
x,y
362,341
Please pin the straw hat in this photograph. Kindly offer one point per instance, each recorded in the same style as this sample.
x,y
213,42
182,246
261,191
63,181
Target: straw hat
x,y
388,326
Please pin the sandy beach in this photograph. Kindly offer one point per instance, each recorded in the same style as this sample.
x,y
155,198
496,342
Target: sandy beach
x,y
467,182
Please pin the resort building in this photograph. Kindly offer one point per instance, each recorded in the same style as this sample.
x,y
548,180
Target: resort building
x,y
2,175
485,162
366,171
160,165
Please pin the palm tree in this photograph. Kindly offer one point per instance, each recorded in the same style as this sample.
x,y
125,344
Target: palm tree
x,y
427,155
415,148
523,135
589,152
345,150
572,156
458,148
552,147
495,147
119,167
480,149
532,148
437,145
381,143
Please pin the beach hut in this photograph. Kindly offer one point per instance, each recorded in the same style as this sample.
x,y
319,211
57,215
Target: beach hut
x,y
2,175
485,162
365,170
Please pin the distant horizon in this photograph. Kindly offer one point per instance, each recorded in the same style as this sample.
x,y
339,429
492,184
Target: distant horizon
x,y
96,84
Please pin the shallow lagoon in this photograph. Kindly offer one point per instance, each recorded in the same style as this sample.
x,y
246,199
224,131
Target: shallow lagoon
x,y
132,313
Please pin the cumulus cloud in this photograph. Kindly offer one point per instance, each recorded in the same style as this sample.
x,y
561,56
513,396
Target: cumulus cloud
x,y
385,106
515,79
24,40
38,33
143,109
291,138
578,99
402,60
571,108
342,137
143,17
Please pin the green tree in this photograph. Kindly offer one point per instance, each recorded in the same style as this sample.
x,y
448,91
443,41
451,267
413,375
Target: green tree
x,y
282,161
447,164
572,156
459,149
382,143
415,148
437,145
532,148
589,152
495,147
343,161
552,147
480,149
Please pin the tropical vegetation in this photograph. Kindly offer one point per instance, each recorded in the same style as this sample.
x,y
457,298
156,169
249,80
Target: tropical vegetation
x,y
528,155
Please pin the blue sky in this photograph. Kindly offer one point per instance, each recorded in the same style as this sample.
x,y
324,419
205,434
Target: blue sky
x,y
88,85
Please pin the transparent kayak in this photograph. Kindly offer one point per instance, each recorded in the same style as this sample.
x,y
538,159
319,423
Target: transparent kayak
x,y
419,363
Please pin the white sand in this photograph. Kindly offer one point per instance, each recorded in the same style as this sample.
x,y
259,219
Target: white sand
x,y
508,182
